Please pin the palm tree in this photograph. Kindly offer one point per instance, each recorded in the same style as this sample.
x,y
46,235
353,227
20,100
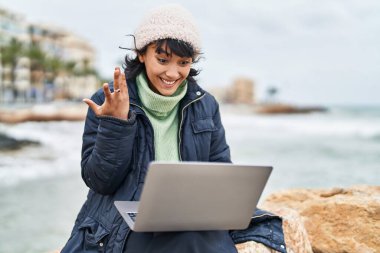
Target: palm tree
x,y
10,54
37,56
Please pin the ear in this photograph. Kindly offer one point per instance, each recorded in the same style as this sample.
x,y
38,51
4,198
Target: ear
x,y
141,58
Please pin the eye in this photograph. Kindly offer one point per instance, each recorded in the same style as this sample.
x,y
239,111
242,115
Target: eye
x,y
184,63
162,60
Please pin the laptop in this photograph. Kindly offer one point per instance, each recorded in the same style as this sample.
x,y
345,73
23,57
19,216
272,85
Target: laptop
x,y
194,196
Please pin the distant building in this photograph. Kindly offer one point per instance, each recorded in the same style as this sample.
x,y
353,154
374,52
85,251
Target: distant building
x,y
241,92
12,25
57,42
22,78
78,50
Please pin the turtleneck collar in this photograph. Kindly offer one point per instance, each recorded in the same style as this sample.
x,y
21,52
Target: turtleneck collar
x,y
155,103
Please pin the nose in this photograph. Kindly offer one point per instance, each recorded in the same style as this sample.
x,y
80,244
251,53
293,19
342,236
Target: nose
x,y
172,72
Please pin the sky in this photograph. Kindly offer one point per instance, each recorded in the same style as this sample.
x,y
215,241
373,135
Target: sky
x,y
314,52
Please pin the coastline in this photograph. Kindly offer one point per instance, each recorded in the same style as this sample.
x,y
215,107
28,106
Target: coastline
x,y
319,150
69,111
58,111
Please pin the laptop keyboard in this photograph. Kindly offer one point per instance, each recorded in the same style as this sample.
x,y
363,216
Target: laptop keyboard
x,y
132,216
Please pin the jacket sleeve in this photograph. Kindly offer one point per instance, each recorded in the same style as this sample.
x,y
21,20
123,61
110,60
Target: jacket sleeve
x,y
265,228
106,150
219,150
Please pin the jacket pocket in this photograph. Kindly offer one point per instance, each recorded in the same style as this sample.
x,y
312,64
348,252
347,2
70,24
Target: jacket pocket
x,y
95,235
203,125
202,133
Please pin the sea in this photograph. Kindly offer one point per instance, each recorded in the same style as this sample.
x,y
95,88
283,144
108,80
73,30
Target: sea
x,y
41,190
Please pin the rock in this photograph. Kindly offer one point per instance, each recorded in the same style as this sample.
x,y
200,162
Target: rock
x,y
9,143
337,220
253,247
286,109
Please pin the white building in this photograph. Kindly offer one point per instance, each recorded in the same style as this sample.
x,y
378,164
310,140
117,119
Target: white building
x,y
55,42
12,25
58,42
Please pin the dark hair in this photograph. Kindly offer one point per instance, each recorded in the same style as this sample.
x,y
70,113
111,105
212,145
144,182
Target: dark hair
x,y
132,65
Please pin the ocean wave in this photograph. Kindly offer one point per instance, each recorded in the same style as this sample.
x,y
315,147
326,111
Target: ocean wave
x,y
9,178
60,142
57,154
35,164
317,125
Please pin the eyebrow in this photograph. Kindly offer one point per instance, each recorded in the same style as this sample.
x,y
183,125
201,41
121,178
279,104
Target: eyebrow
x,y
160,50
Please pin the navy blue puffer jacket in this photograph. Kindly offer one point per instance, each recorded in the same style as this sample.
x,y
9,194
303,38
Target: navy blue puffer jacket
x,y
115,157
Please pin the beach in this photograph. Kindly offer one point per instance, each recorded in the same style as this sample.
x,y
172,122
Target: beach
x,y
41,190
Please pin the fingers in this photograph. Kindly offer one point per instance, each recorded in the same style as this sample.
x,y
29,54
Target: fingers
x,y
124,84
116,79
107,91
91,104
120,83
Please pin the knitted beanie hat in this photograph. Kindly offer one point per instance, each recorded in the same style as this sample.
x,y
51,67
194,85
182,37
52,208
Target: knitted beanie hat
x,y
170,21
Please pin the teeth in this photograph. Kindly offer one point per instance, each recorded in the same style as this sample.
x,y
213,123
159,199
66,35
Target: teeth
x,y
167,82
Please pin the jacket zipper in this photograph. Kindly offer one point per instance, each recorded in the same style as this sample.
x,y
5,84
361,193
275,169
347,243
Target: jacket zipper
x,y
180,125
150,124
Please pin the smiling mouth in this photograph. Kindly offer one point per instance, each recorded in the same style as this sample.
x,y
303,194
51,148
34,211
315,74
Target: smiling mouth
x,y
168,82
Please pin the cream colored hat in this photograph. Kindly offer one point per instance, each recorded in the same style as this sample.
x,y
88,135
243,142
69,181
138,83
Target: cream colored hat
x,y
168,21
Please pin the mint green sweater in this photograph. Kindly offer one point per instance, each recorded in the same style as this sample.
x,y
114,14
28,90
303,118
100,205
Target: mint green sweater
x,y
162,112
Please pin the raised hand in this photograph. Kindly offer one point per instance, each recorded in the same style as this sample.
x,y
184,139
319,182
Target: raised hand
x,y
116,103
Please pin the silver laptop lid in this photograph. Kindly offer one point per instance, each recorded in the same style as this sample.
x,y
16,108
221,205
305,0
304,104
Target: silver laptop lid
x,y
199,196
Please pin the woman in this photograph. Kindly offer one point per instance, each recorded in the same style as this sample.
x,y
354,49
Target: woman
x,y
155,110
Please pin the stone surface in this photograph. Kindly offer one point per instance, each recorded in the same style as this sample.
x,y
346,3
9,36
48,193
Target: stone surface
x,y
253,247
338,220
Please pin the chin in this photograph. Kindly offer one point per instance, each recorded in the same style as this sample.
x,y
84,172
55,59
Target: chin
x,y
167,93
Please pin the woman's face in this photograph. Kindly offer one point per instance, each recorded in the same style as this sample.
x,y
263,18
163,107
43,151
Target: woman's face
x,y
165,71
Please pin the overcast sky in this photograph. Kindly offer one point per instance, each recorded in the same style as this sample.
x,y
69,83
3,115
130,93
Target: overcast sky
x,y
314,52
